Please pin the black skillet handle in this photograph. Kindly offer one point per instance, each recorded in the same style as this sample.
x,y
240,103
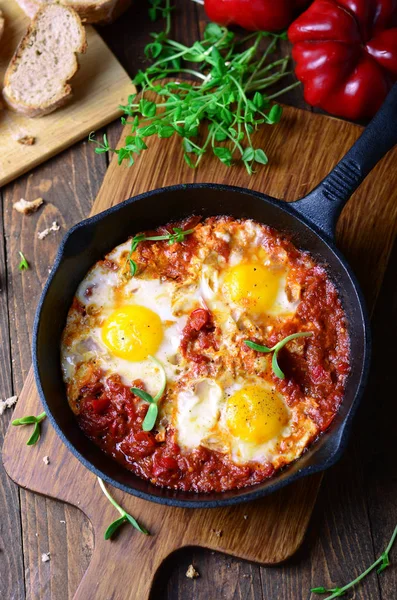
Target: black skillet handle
x,y
324,204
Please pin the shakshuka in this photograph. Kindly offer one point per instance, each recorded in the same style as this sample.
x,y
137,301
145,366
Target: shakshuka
x,y
173,361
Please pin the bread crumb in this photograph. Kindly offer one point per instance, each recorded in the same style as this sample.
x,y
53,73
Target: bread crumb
x,y
191,572
45,557
7,403
245,517
27,140
26,207
46,460
218,532
43,234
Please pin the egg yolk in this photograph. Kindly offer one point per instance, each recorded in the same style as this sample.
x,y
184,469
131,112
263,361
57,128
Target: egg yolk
x,y
132,332
256,414
253,286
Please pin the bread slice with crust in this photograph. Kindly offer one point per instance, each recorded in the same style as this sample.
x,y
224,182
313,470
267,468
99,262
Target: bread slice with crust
x,y
90,11
37,79
1,24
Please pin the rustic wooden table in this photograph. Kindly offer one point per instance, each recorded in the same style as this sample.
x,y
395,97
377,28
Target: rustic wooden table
x,y
356,510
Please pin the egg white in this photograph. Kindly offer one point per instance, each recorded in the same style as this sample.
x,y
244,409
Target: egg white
x,y
198,411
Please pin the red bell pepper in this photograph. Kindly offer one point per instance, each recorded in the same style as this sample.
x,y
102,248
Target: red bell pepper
x,y
261,15
346,54
97,405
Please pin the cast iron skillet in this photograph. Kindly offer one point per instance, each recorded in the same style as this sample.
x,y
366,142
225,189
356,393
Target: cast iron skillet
x,y
310,222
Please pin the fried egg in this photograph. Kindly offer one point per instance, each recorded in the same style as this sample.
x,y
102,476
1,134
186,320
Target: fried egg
x,y
252,288
249,420
126,325
258,289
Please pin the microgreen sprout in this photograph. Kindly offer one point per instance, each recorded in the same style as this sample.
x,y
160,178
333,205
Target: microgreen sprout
x,y
276,349
31,420
226,88
153,410
382,562
125,517
159,9
23,265
172,238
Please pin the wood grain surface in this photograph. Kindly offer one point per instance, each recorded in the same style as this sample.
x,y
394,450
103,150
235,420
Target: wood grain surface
x,y
281,518
100,85
355,511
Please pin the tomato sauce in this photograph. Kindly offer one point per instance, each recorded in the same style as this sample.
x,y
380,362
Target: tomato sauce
x,y
112,417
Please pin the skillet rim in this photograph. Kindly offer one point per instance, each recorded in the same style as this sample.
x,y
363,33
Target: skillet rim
x,y
251,492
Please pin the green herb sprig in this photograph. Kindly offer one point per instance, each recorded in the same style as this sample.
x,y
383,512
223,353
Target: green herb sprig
x,y
228,91
153,410
383,562
125,517
23,265
276,349
158,10
31,420
172,238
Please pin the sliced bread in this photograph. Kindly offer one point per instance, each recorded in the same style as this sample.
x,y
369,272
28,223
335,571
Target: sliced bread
x,y
1,24
90,11
36,81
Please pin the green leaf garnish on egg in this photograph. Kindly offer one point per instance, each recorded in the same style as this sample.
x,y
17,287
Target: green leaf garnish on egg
x,y
276,349
151,416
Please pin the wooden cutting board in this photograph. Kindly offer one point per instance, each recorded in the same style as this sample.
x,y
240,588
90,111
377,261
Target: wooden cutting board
x,y
99,87
302,149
